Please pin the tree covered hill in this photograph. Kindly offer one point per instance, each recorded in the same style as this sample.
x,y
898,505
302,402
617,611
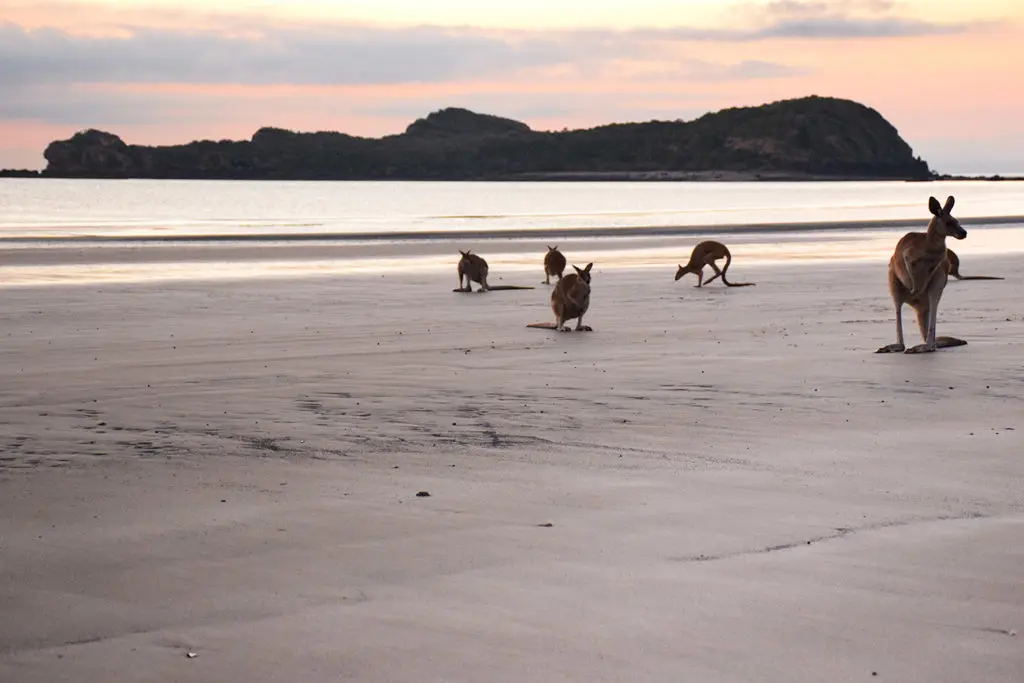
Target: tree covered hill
x,y
807,137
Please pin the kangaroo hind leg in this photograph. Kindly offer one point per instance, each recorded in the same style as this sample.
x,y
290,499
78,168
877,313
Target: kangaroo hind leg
x,y
718,273
926,325
899,346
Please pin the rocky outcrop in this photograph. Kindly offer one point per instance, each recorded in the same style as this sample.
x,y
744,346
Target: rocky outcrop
x,y
808,137
462,122
91,153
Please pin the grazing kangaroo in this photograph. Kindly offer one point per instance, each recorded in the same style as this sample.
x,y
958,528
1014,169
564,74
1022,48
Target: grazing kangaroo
x,y
705,254
474,269
918,274
554,264
570,299
953,268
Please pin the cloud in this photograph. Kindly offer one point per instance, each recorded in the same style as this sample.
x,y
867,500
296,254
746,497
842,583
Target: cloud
x,y
349,54
337,55
826,8
74,105
827,27
829,19
745,70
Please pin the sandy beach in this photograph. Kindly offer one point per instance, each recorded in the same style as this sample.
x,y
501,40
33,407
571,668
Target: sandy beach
x,y
714,485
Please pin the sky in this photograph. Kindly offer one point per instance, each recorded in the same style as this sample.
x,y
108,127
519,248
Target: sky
x,y
946,73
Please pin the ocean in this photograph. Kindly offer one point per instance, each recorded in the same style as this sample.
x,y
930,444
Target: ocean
x,y
74,231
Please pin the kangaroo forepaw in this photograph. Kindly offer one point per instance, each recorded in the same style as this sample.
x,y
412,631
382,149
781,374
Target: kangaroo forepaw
x,y
892,348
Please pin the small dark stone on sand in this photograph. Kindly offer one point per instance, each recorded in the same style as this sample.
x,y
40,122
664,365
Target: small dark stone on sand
x,y
546,525
423,494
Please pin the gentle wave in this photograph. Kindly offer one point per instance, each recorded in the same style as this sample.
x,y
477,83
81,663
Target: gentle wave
x,y
541,233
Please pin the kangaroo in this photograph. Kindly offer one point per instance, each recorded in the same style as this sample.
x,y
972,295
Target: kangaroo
x,y
474,269
918,274
705,254
554,264
570,299
953,268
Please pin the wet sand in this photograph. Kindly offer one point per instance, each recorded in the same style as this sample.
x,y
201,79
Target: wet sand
x,y
714,485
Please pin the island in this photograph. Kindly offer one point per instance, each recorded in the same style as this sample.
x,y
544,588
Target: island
x,y
810,138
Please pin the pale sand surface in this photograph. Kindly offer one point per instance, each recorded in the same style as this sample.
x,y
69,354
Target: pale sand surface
x,y
737,488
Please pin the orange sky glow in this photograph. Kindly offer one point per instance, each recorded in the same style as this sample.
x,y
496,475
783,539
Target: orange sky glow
x,y
945,74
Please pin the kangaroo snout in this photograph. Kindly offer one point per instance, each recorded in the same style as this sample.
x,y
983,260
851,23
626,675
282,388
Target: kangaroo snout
x,y
960,233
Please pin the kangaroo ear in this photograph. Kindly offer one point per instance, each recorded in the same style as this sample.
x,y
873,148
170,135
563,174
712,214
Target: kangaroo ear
x,y
577,269
556,248
589,266
933,206
949,204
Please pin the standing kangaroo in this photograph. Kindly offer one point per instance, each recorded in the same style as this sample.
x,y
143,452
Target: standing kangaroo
x,y
953,268
570,299
918,274
705,254
554,264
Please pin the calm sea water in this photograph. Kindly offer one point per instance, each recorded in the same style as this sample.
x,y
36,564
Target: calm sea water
x,y
787,220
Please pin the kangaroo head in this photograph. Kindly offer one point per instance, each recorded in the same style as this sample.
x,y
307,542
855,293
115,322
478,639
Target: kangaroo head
x,y
554,248
683,270
585,272
465,254
943,221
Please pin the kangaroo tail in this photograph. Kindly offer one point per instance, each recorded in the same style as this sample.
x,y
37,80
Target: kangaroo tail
x,y
980,277
499,288
728,260
543,326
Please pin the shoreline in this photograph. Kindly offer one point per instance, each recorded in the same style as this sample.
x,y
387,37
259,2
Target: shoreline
x,y
495,234
108,262
573,176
